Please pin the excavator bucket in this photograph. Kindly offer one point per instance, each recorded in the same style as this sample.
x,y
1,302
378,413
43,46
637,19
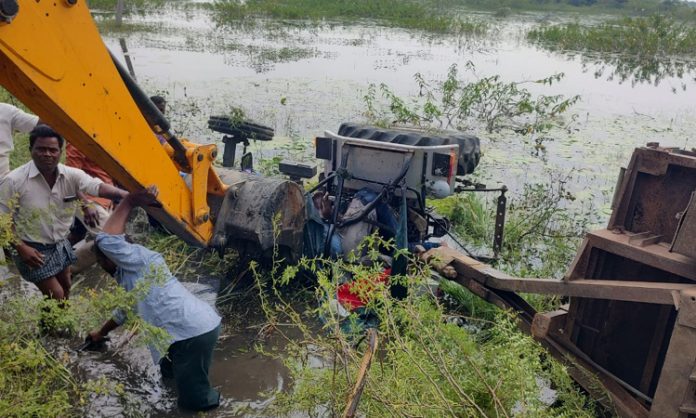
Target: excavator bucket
x,y
259,216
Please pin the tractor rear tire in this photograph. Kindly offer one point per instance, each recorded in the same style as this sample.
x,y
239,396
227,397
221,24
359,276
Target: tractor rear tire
x,y
469,145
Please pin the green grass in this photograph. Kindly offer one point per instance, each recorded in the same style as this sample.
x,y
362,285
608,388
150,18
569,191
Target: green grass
x,y
36,380
33,382
130,6
541,236
643,49
397,13
108,25
20,154
653,36
623,7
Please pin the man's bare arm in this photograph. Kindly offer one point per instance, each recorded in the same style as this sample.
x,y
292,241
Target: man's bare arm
x,y
110,192
98,335
116,224
30,255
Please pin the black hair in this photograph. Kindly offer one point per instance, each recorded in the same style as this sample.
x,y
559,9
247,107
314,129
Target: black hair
x,y
158,100
97,251
44,131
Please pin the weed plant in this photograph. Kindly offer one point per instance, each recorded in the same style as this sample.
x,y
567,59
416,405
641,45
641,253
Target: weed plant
x,y
34,383
182,259
39,381
20,154
541,234
675,8
643,49
464,105
427,366
131,6
404,14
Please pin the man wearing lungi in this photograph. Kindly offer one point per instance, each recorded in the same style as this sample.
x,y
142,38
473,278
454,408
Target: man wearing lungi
x,y
43,198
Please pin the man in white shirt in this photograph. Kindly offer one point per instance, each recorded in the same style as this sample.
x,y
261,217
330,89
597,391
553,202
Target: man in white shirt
x,y
43,198
12,119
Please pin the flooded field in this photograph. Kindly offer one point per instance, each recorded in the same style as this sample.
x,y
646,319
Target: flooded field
x,y
303,79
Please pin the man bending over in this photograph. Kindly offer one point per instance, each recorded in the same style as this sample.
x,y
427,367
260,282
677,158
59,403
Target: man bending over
x,y
193,325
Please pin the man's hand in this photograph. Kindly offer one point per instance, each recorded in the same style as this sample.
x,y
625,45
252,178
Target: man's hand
x,y
323,204
31,256
147,197
96,336
91,215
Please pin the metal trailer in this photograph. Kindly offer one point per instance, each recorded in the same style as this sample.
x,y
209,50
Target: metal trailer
x,y
631,316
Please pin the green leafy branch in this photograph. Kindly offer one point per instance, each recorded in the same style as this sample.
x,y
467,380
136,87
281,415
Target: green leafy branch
x,y
463,105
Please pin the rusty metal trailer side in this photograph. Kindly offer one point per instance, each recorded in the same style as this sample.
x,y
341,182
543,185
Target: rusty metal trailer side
x,y
631,320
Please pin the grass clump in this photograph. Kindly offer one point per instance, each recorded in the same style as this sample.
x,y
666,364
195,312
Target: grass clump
x,y
653,36
676,8
541,235
34,383
130,6
404,14
20,154
183,259
36,378
642,49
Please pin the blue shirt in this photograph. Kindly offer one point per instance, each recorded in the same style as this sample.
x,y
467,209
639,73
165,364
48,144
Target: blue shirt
x,y
167,304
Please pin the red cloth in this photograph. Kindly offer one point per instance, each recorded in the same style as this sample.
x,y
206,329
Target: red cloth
x,y
356,294
75,158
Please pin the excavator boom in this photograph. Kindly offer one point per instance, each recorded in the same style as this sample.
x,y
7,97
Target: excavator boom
x,y
53,60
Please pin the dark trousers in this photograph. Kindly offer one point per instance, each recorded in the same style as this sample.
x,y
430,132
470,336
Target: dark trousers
x,y
188,362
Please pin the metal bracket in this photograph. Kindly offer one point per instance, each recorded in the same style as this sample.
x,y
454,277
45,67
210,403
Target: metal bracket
x,y
499,222
230,153
204,181
501,209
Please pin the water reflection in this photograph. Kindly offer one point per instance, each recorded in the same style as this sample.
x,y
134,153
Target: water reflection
x,y
633,69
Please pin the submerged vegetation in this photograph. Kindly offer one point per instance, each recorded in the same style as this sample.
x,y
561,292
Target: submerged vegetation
x,y
676,8
130,6
640,49
405,14
654,36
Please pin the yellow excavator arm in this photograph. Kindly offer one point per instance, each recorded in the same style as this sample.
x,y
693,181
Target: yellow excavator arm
x,y
53,60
